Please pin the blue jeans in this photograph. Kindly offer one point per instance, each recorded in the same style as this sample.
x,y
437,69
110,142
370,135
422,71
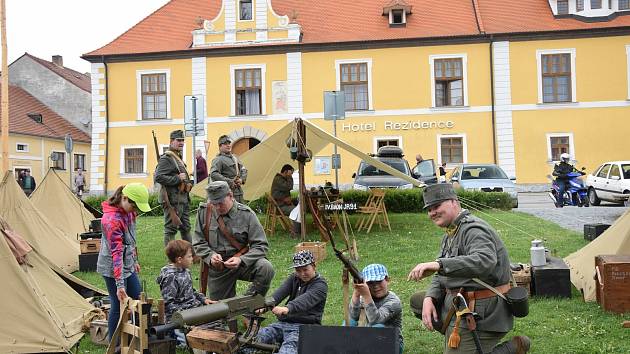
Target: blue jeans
x,y
283,333
355,323
133,289
562,188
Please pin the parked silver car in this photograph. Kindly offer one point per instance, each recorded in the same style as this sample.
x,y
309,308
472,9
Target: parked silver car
x,y
368,176
610,182
485,178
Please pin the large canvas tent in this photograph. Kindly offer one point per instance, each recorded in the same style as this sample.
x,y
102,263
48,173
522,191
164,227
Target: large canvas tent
x,y
615,240
41,313
52,196
37,228
267,158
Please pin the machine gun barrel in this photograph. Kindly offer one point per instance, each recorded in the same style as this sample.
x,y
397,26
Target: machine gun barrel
x,y
162,329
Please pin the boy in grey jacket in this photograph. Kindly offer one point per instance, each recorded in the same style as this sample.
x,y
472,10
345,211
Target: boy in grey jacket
x,y
306,291
382,307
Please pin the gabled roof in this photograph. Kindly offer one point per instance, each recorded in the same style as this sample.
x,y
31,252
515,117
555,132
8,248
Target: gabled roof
x,y
78,79
21,103
169,28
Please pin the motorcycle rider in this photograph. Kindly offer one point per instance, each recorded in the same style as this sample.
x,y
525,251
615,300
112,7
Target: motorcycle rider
x,y
561,171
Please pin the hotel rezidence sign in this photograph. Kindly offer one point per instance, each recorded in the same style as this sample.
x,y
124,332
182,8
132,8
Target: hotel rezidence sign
x,y
390,125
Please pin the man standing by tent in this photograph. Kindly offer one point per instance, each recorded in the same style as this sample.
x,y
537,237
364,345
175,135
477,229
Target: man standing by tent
x,y
28,183
171,174
227,168
79,182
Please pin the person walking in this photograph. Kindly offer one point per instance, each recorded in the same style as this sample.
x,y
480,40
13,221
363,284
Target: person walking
x,y
118,257
472,260
226,167
171,174
201,167
79,182
28,183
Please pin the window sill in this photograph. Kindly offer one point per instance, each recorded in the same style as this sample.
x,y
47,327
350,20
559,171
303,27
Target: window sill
x,y
449,108
150,120
250,116
557,104
367,112
133,175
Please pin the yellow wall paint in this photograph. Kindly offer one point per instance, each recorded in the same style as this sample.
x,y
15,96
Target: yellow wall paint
x,y
278,34
246,36
123,92
597,79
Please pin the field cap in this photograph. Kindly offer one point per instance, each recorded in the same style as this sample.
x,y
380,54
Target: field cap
x,y
177,134
139,194
374,272
217,191
437,193
224,139
303,258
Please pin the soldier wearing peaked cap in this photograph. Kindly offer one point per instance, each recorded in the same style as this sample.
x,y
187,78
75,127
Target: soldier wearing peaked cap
x,y
472,262
171,174
226,167
232,245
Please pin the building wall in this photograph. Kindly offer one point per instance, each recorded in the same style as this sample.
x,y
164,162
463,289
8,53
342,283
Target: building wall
x,y
63,97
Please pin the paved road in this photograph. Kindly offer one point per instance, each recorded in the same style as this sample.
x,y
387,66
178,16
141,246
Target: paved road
x,y
573,218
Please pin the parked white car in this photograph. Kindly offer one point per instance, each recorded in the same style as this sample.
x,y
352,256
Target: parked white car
x,y
610,182
484,178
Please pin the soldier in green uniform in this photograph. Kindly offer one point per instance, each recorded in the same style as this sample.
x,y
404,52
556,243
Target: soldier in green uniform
x,y
171,174
281,189
226,167
232,243
471,249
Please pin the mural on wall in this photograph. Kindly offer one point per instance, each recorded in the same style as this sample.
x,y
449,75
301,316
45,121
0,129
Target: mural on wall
x,y
279,92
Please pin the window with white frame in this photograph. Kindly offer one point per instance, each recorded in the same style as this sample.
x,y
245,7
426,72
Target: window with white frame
x,y
558,144
381,141
448,80
579,5
245,10
624,4
248,91
563,7
596,4
133,159
21,147
79,161
556,76
452,149
153,90
58,159
354,78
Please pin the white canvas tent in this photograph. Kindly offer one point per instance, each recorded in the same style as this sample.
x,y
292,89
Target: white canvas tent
x,y
52,196
35,227
615,240
41,313
267,158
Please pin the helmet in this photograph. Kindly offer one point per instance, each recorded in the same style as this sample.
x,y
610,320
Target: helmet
x,y
565,157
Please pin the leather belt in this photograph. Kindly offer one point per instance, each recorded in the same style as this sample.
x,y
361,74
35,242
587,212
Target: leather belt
x,y
481,294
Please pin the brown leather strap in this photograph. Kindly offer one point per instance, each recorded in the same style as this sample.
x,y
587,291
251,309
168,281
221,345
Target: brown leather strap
x,y
481,294
203,277
228,236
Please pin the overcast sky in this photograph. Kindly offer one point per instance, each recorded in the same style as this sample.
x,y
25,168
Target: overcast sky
x,y
70,28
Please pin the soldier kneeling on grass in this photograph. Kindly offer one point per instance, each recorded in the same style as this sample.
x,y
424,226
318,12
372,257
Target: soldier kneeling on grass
x,y
473,262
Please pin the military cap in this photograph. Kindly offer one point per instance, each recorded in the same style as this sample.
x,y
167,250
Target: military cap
x,y
217,191
438,193
303,258
177,134
224,139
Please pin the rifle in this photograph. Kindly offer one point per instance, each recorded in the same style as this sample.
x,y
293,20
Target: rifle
x,y
216,316
347,263
163,192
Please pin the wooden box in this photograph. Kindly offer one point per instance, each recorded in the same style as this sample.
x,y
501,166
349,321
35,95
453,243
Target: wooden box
x,y
98,332
612,274
317,248
90,246
212,340
87,262
523,277
591,231
551,279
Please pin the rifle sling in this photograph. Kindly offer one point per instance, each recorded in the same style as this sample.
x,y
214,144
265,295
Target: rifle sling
x,y
224,230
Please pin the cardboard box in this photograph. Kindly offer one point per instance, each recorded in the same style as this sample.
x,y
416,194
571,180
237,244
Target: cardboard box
x,y
90,246
612,279
317,248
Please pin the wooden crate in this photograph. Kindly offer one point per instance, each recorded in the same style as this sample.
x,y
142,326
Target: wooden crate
x,y
98,332
90,246
612,279
523,277
212,340
317,248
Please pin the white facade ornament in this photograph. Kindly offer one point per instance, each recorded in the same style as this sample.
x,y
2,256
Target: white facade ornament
x,y
208,25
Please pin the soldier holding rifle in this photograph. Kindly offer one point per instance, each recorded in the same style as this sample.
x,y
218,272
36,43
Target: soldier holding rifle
x,y
226,167
175,182
472,251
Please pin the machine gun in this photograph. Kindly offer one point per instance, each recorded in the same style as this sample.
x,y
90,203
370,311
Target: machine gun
x,y
163,192
212,336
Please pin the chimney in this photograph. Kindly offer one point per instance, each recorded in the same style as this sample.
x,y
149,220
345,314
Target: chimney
x,y
57,60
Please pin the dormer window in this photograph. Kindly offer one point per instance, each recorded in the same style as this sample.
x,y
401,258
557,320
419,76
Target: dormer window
x,y
397,11
624,4
579,5
245,10
596,4
563,7
37,117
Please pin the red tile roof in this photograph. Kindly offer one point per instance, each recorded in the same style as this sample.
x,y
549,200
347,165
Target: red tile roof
x,y
80,80
53,125
332,21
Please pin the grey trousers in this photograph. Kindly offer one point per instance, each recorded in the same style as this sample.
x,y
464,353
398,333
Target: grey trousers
x,y
222,283
170,230
488,341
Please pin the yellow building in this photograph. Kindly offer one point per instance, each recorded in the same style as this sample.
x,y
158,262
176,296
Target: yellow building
x,y
509,82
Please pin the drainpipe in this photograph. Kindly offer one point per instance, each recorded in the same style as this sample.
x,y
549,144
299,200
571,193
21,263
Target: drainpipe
x,y
494,130
106,126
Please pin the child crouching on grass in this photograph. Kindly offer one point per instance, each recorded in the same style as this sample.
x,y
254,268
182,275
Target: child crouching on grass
x,y
176,283
382,307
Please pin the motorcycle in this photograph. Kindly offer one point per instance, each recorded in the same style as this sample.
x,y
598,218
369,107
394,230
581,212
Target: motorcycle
x,y
575,194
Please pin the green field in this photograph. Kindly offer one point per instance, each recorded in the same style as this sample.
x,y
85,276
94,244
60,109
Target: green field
x,y
555,326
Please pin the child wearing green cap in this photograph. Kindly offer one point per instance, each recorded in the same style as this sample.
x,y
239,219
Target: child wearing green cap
x,y
118,258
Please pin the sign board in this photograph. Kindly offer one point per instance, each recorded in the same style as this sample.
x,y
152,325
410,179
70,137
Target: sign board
x,y
68,143
340,206
193,105
189,129
336,161
334,105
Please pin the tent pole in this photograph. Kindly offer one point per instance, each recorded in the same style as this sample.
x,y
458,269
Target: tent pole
x,y
301,140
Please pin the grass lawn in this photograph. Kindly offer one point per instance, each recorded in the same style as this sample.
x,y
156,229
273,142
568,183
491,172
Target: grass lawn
x,y
555,326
